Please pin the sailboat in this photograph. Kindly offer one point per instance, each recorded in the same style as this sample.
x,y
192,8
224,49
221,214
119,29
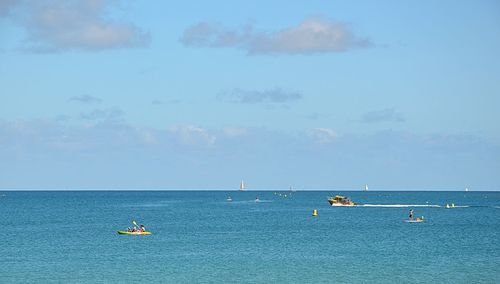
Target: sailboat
x,y
366,187
242,186
466,189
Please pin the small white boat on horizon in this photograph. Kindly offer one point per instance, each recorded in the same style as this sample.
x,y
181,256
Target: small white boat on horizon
x,y
242,186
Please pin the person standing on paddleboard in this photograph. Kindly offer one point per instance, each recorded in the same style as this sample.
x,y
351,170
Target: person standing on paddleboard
x,y
411,214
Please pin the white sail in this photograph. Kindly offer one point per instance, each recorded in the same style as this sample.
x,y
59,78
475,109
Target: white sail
x,y
366,187
242,185
466,189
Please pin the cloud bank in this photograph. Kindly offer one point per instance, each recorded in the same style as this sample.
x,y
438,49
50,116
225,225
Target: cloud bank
x,y
58,25
193,135
313,35
322,135
51,154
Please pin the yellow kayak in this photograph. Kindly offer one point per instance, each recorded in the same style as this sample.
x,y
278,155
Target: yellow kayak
x,y
133,233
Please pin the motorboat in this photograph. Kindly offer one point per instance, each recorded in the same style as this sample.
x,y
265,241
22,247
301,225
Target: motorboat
x,y
340,201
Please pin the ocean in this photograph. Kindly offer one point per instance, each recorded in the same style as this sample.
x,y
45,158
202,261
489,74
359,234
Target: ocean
x,y
199,237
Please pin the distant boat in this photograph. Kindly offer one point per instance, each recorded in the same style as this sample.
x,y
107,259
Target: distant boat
x,y
229,199
466,189
242,186
366,187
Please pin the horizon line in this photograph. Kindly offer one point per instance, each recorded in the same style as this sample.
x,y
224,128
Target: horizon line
x,y
238,190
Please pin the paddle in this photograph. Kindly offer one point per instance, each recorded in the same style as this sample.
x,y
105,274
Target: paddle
x,y
133,222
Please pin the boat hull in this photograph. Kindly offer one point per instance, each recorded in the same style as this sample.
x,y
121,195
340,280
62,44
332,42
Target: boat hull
x,y
133,233
342,205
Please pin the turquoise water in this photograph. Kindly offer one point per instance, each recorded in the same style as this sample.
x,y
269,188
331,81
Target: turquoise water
x,y
199,237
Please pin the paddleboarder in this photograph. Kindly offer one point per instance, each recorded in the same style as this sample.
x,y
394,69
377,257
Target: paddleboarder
x,y
411,214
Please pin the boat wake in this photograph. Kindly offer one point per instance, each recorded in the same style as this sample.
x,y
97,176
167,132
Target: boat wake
x,y
399,205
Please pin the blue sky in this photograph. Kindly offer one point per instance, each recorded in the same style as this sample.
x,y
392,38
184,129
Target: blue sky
x,y
311,94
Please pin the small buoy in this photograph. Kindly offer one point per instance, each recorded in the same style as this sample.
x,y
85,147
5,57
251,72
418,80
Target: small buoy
x,y
315,212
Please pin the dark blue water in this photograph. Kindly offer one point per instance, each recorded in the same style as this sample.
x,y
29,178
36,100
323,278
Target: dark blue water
x,y
199,237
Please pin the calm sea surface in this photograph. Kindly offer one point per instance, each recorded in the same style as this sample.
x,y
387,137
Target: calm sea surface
x,y
199,237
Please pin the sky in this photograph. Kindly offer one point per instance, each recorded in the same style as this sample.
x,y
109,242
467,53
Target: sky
x,y
108,94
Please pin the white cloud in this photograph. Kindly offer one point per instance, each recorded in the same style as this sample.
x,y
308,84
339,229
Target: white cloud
x,y
57,25
193,135
313,35
148,137
234,131
322,135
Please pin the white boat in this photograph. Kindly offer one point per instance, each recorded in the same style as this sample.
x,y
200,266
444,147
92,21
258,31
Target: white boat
x,y
340,201
366,187
242,186
466,189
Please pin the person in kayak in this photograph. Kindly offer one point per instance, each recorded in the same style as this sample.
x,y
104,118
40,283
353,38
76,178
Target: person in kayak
x,y
142,228
411,214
